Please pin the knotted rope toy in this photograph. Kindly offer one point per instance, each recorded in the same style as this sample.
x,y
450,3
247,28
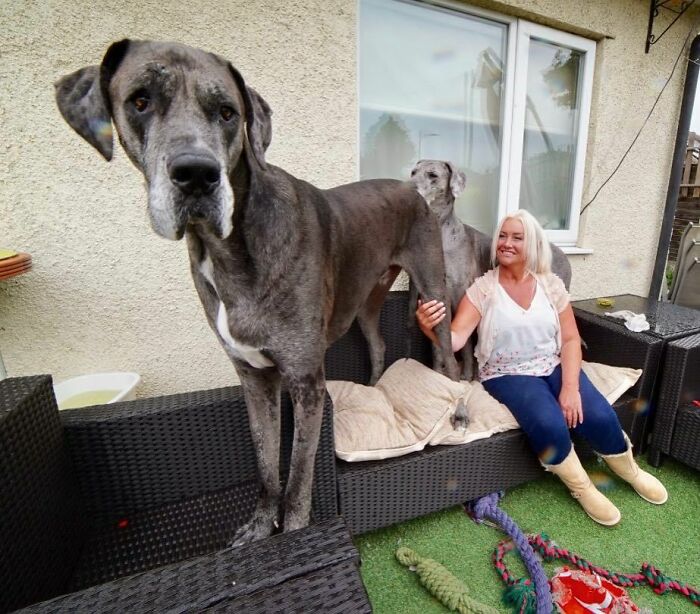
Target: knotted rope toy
x,y
648,576
450,591
519,594
549,551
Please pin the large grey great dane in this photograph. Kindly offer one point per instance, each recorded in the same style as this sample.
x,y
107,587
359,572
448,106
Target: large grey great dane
x,y
467,250
281,267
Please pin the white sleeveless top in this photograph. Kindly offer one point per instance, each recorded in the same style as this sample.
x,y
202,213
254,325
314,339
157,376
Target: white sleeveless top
x,y
525,340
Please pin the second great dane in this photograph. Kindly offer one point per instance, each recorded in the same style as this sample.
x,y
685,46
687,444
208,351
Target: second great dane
x,y
282,268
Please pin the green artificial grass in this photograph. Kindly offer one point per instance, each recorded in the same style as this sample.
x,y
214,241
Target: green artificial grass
x,y
666,536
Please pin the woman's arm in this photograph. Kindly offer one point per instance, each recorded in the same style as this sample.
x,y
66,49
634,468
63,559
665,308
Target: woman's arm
x,y
463,324
569,397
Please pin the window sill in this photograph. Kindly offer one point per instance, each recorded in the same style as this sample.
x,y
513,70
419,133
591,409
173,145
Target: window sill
x,y
572,250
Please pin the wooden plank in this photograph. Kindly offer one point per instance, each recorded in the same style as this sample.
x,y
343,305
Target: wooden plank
x,y
687,210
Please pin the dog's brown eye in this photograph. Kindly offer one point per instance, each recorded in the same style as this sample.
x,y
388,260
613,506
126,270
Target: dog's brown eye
x,y
141,103
226,113
432,175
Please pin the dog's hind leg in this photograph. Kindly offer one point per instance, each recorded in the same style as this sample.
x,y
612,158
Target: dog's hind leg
x,y
368,319
308,391
261,388
468,362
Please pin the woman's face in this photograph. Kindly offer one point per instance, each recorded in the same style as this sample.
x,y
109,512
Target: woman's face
x,y
510,248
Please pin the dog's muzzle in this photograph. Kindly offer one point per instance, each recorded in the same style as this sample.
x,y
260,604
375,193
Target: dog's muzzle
x,y
200,192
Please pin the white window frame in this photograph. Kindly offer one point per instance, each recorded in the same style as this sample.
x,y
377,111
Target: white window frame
x,y
519,33
587,47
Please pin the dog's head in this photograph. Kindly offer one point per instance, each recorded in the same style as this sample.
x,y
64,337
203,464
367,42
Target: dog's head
x,y
186,120
439,183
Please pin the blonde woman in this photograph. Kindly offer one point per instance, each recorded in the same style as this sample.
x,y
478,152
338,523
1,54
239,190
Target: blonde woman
x,y
529,357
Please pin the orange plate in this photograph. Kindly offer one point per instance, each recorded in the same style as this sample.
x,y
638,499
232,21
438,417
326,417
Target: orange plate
x,y
15,260
15,267
4,274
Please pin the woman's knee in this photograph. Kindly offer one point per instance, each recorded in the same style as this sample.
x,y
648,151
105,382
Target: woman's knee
x,y
591,396
550,440
537,411
547,432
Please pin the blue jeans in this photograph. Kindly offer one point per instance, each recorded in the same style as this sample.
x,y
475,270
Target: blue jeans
x,y
534,403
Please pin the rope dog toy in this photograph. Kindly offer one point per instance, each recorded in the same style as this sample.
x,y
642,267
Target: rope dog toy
x,y
519,593
450,591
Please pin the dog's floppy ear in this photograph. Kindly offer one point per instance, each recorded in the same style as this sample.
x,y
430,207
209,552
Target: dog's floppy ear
x,y
80,101
458,180
83,100
258,118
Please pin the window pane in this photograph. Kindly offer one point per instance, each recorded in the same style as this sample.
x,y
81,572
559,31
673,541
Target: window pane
x,y
550,136
431,84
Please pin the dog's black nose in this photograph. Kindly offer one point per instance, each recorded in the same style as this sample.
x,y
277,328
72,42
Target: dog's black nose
x,y
196,174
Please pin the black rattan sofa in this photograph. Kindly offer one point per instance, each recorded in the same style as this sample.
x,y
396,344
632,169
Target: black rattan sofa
x,y
375,494
92,499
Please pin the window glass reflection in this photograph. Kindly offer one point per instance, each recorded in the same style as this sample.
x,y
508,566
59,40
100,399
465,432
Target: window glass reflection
x,y
431,85
550,136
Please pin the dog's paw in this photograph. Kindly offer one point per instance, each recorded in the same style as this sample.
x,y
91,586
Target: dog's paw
x,y
459,419
467,372
261,525
296,520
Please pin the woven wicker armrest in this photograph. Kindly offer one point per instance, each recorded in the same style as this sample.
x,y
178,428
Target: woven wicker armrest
x,y
680,385
143,454
310,570
41,527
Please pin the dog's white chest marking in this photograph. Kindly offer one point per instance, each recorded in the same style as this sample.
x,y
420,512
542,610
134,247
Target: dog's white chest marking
x,y
253,356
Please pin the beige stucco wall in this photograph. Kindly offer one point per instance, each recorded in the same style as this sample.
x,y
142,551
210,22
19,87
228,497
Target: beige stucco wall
x,y
106,294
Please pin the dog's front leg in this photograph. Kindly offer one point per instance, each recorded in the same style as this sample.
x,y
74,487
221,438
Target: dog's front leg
x,y
308,391
261,388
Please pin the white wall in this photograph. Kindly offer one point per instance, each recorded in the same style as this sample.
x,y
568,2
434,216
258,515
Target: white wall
x,y
106,293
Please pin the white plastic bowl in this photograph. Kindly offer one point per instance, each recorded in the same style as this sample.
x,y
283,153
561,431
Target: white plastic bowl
x,y
96,389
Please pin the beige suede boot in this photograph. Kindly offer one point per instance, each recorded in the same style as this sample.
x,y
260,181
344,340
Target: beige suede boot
x,y
594,503
646,485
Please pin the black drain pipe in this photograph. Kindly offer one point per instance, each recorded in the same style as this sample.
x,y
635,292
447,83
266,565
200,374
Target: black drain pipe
x,y
691,81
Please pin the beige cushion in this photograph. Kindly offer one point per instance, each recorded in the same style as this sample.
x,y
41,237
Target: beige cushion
x,y
612,382
411,407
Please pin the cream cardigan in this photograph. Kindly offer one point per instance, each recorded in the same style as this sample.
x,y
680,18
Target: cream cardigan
x,y
482,295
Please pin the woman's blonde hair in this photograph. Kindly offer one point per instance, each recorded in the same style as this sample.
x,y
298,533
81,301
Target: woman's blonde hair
x,y
538,253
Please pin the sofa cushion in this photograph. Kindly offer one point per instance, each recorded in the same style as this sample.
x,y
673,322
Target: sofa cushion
x,y
411,406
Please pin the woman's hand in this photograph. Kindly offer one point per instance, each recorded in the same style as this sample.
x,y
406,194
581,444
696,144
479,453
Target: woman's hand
x,y
570,402
429,315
